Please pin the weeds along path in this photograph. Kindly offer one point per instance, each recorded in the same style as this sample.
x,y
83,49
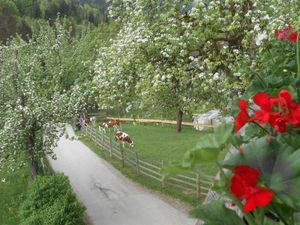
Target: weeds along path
x,y
110,198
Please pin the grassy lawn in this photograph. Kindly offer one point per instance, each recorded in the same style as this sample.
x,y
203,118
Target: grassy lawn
x,y
162,142
12,193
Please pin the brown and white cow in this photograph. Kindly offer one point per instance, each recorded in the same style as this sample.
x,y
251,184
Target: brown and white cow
x,y
122,136
102,127
111,124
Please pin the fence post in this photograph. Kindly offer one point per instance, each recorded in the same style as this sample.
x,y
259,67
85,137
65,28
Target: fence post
x,y
110,147
102,136
162,179
198,186
122,155
137,164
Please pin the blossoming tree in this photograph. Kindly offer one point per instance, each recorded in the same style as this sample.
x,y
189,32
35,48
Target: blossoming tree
x,y
175,56
33,99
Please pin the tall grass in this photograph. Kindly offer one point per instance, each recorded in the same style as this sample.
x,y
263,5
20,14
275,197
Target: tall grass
x,y
14,181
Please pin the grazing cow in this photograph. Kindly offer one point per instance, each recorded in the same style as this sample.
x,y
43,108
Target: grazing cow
x,y
102,127
114,123
121,136
111,124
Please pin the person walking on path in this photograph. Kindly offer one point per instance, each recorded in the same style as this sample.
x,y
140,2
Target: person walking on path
x,y
78,122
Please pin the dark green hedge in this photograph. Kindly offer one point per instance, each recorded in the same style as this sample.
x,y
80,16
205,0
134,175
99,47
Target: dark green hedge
x,y
50,201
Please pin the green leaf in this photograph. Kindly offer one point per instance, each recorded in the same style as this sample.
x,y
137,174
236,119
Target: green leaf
x,y
206,155
251,131
288,139
297,218
223,133
215,140
215,213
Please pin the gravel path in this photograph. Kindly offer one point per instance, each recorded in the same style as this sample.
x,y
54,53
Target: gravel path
x,y
110,198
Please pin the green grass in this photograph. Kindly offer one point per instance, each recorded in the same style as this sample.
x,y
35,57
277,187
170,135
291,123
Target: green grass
x,y
162,142
131,173
12,192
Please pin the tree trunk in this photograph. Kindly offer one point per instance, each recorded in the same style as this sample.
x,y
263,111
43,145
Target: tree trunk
x,y
33,163
33,167
179,121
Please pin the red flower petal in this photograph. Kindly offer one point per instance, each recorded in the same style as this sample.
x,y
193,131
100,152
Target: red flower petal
x,y
293,37
278,122
285,97
242,104
294,115
287,28
261,117
243,181
237,187
241,119
259,198
247,173
262,99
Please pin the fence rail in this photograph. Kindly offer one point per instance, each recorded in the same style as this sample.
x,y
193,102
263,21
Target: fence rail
x,y
190,183
162,121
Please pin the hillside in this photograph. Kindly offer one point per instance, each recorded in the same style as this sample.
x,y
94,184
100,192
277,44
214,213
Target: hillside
x,y
17,16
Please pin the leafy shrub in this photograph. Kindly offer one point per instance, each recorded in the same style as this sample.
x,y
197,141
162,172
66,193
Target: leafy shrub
x,y
50,201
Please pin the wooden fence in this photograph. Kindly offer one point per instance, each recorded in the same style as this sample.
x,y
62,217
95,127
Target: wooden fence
x,y
161,121
189,183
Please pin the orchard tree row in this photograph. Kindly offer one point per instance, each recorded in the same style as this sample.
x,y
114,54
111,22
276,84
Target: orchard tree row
x,y
174,57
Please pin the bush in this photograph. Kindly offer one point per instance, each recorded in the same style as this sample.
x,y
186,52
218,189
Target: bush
x,y
50,201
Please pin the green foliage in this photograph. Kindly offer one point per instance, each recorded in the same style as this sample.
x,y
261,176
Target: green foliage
x,y
36,96
178,55
13,185
50,201
207,150
18,16
215,213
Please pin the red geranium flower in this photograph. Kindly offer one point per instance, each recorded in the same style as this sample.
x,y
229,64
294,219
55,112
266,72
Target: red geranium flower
x,y
243,186
259,197
290,109
244,178
243,117
278,122
265,103
294,115
293,37
286,34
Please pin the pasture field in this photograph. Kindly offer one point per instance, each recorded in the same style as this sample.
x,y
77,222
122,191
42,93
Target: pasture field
x,y
13,186
162,142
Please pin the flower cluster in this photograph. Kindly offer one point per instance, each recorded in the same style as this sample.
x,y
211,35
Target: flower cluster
x,y
278,111
286,34
243,185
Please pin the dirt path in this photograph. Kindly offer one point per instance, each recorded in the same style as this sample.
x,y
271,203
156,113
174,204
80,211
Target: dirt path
x,y
110,198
